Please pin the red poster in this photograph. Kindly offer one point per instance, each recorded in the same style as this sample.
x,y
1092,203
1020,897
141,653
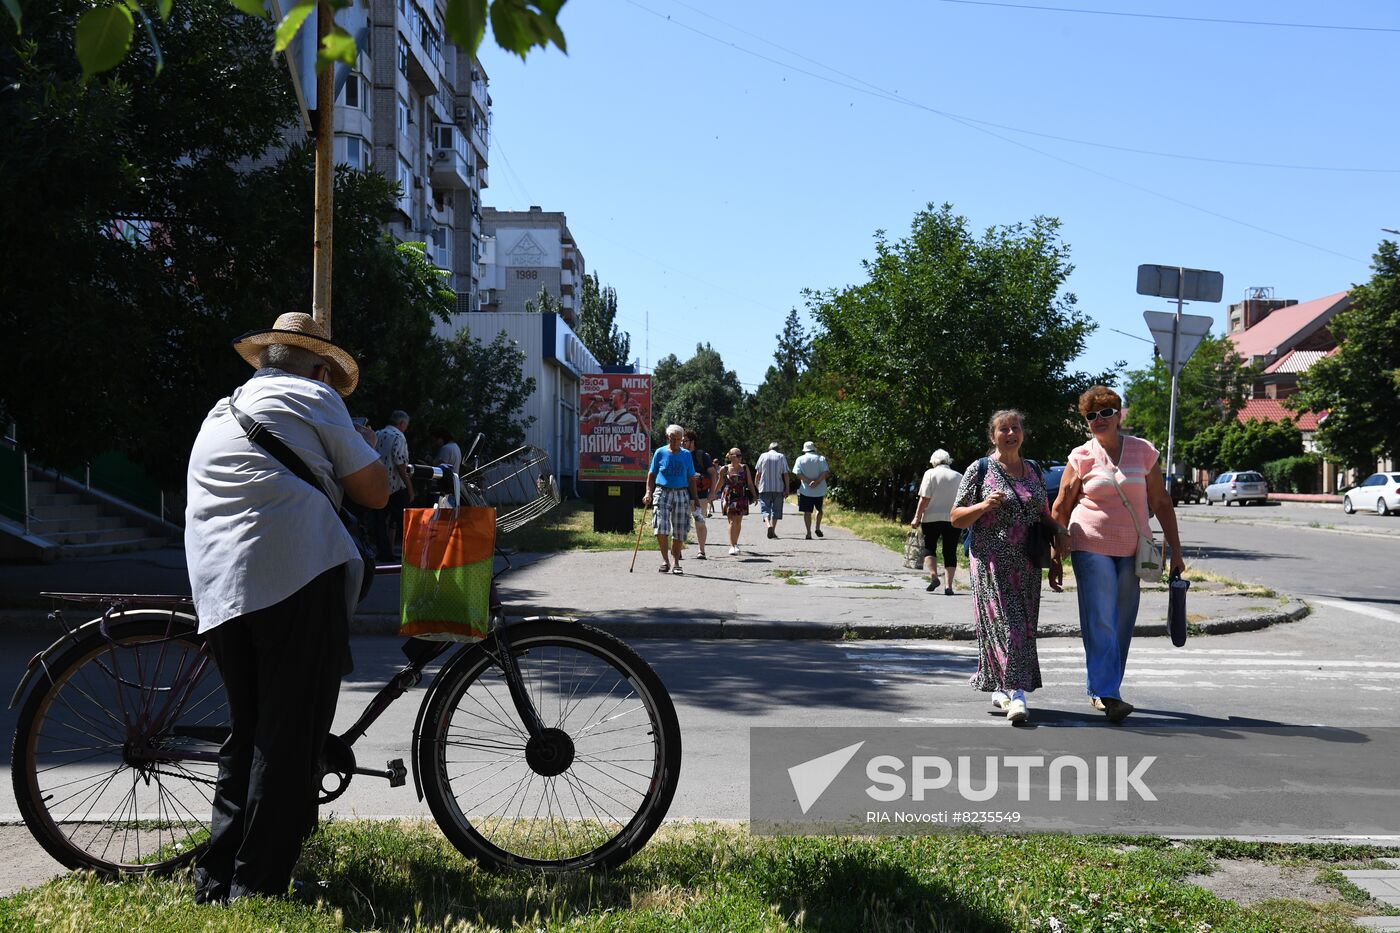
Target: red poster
x,y
614,426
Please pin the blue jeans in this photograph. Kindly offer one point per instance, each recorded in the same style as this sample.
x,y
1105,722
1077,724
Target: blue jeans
x,y
1108,607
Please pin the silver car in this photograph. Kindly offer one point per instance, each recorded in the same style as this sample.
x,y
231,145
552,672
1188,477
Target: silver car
x,y
1379,491
1242,486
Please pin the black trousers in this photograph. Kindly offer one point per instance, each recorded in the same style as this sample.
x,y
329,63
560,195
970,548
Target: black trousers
x,y
281,668
385,519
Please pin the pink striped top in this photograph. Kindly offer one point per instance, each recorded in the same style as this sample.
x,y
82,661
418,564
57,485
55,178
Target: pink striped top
x,y
1100,523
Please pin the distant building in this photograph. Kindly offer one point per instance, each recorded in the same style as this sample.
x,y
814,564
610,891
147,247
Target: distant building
x,y
525,251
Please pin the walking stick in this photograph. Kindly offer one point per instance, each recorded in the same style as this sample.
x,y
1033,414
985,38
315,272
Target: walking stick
x,y
638,546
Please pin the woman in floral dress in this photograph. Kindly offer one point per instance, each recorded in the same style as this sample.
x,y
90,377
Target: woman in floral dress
x,y
1002,496
737,492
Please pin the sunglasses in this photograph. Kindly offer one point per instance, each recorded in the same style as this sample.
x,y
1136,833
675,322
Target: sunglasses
x,y
1101,413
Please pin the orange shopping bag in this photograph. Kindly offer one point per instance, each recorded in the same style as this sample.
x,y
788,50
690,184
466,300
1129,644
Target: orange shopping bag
x,y
445,587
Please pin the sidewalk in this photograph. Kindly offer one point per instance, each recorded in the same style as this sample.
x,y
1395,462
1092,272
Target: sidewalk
x,y
831,588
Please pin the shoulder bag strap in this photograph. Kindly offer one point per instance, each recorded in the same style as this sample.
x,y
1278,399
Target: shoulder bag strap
x,y
1113,475
260,434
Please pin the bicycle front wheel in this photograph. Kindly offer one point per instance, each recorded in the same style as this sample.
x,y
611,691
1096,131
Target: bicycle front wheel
x,y
116,750
590,791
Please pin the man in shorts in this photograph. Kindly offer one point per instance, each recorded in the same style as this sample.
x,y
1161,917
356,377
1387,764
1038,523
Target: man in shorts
x,y
671,493
811,470
771,470
706,481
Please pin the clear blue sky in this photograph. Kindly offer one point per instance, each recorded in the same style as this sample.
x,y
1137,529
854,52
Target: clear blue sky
x,y
710,180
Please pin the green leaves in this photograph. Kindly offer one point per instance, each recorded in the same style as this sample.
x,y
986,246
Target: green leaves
x,y
251,7
291,24
12,7
103,38
517,25
339,46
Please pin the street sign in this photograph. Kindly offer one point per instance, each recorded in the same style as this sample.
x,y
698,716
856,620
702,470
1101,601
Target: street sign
x,y
301,53
1167,282
1193,329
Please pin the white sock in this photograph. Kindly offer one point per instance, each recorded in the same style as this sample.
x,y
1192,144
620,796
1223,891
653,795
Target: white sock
x,y
1018,694
1000,697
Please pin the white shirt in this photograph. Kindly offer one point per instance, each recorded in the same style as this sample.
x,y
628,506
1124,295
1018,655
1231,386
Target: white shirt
x,y
450,454
393,451
940,487
255,532
770,470
809,467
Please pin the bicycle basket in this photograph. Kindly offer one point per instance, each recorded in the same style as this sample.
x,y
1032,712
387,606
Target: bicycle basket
x,y
520,486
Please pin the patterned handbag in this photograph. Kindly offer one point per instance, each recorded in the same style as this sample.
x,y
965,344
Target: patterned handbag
x,y
914,550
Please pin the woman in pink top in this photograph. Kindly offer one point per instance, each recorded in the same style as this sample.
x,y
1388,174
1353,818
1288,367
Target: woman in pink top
x,y
1103,539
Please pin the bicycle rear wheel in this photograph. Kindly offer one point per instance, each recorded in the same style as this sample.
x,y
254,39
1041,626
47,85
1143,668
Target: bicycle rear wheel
x,y
588,793
116,751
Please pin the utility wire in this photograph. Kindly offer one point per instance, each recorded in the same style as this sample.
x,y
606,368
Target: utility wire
x,y
980,127
1184,19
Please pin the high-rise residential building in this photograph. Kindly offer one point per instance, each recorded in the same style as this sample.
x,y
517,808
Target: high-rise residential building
x,y
525,251
418,110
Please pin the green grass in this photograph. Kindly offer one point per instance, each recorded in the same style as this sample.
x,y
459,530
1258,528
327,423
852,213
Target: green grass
x,y
791,577
875,528
570,528
405,876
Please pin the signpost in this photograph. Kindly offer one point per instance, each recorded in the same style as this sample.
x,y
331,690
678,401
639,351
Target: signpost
x,y
1178,334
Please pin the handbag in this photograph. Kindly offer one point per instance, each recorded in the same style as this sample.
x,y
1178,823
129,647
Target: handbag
x,y
445,587
1041,535
260,434
1176,609
1147,562
914,550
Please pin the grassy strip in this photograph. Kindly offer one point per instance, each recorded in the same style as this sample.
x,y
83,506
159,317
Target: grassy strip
x,y
405,876
570,528
874,528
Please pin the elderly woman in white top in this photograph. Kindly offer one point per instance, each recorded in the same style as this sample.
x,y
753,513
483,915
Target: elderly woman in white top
x,y
937,493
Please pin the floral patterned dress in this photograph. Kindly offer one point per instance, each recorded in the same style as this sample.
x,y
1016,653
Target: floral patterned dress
x,y
734,481
1005,584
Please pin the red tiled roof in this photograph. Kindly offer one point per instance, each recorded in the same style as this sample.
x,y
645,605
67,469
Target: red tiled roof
x,y
1297,361
1271,409
1284,327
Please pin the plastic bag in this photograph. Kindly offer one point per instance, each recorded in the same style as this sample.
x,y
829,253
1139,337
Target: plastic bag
x,y
445,587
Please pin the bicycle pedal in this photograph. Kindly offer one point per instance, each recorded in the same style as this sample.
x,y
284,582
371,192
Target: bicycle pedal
x,y
398,774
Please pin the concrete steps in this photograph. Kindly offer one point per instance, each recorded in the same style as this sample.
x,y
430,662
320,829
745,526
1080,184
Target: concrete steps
x,y
80,524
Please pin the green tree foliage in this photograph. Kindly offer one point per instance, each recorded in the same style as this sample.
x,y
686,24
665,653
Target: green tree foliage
x,y
483,388
699,393
122,342
544,302
1236,446
768,413
1359,386
948,328
1293,474
1214,384
597,323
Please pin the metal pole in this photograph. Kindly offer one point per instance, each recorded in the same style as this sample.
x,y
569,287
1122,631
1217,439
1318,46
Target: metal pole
x,y
325,175
1176,339
24,465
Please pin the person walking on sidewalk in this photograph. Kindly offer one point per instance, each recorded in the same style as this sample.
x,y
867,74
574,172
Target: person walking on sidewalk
x,y
671,493
1001,498
1107,489
772,469
705,482
737,491
273,573
937,492
811,470
393,453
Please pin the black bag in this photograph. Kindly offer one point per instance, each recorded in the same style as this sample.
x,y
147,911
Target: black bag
x,y
1176,609
1040,536
261,435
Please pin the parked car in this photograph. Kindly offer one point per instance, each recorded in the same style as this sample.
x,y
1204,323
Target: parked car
x,y
1182,490
1379,491
1240,486
1053,471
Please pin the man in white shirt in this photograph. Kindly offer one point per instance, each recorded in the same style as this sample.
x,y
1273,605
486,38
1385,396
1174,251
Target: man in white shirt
x,y
274,574
811,470
771,471
393,453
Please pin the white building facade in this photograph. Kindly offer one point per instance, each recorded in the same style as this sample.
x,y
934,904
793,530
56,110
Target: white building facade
x,y
525,251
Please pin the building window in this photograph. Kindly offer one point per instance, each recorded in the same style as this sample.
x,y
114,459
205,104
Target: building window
x,y
403,56
355,152
350,94
405,179
403,117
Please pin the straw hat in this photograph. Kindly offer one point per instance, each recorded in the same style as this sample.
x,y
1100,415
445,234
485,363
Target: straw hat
x,y
300,330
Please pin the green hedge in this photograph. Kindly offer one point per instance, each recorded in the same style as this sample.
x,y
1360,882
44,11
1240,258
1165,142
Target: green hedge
x,y
1293,474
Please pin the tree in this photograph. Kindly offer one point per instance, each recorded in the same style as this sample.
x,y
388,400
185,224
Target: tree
x,y
597,327
544,302
484,389
1213,386
699,393
1235,446
1358,387
947,328
767,414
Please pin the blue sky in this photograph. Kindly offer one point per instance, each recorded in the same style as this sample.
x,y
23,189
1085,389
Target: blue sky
x,y
716,158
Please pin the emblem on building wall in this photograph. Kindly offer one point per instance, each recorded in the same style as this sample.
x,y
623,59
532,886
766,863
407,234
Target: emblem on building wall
x,y
526,252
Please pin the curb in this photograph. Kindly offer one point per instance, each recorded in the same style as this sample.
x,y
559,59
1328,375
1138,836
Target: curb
x,y
36,621
1265,523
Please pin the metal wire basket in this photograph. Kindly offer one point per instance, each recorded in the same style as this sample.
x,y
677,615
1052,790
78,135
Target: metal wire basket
x,y
520,486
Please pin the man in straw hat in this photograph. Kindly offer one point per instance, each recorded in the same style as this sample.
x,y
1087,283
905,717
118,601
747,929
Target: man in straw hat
x,y
274,574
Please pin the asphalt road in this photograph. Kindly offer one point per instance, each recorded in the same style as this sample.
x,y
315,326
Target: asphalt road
x,y
1340,666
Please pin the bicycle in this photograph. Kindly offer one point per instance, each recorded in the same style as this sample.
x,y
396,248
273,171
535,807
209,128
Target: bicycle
x,y
548,745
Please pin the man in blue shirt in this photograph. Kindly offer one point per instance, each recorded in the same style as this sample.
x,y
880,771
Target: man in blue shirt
x,y
672,494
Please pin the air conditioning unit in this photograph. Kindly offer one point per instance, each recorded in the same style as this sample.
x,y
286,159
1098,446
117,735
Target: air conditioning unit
x,y
461,112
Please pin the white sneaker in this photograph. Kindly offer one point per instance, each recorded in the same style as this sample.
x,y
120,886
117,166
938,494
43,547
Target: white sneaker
x,y
1016,712
733,551
1000,699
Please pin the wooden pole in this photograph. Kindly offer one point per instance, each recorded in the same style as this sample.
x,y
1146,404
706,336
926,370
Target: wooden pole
x,y
325,175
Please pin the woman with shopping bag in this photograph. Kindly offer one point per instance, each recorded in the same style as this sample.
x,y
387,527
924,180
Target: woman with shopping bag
x,y
1107,488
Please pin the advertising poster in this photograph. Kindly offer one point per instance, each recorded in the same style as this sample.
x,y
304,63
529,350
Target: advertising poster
x,y
614,426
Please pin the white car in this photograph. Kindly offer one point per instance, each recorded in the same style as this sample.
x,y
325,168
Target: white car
x,y
1379,491
1241,486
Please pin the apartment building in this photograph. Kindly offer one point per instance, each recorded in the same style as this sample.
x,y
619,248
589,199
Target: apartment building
x,y
418,110
524,251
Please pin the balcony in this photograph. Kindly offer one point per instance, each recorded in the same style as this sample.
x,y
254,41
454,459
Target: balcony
x,y
451,161
423,65
482,180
